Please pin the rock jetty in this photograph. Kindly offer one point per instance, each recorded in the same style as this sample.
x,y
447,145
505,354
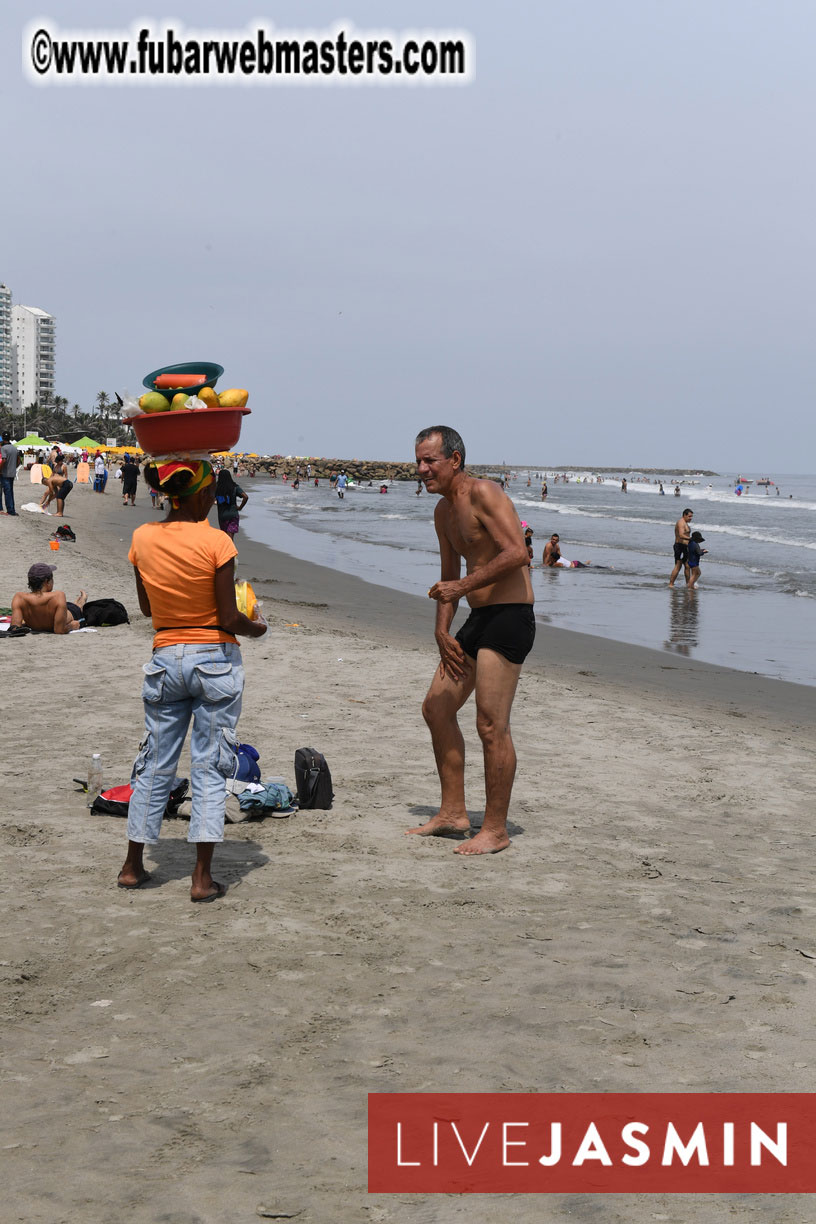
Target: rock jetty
x,y
365,470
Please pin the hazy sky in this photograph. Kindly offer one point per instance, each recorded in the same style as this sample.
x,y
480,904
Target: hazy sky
x,y
599,251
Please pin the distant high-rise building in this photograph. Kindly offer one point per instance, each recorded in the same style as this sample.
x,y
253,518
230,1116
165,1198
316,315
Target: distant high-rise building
x,y
6,355
34,348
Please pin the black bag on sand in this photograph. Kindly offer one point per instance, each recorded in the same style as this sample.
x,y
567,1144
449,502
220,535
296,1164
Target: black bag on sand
x,y
312,779
105,612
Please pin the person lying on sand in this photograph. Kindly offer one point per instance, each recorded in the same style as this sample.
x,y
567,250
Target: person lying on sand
x,y
43,608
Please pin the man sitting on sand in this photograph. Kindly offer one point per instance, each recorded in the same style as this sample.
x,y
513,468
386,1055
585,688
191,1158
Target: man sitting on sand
x,y
474,519
43,608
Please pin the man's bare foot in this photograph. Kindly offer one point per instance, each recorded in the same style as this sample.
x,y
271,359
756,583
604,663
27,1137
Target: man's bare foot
x,y
439,825
81,599
484,842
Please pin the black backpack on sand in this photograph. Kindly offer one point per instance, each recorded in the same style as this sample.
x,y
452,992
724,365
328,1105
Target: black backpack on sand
x,y
105,612
312,779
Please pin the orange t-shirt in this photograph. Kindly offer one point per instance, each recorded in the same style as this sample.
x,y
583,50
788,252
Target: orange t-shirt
x,y
177,564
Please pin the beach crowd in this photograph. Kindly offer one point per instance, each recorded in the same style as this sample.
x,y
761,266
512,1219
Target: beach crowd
x,y
184,572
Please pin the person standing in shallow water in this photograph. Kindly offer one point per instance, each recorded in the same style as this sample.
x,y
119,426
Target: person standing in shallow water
x,y
682,535
185,580
230,500
474,520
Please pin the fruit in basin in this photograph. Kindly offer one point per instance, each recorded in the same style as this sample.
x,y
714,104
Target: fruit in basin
x,y
153,401
178,401
209,397
235,397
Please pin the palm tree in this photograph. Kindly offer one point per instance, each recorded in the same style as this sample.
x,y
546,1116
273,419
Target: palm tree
x,y
102,402
60,420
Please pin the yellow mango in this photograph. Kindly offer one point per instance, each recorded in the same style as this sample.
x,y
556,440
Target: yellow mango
x,y
209,397
153,401
235,397
178,401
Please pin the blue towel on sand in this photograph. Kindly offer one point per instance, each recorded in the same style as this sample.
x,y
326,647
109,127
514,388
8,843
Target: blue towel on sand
x,y
274,796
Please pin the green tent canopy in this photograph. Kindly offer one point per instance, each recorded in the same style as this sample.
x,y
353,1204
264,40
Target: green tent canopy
x,y
33,440
88,443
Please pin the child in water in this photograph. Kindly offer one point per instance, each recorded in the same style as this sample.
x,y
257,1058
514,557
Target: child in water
x,y
695,552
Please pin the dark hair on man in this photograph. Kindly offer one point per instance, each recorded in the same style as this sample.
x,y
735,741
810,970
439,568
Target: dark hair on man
x,y
37,584
688,510
451,440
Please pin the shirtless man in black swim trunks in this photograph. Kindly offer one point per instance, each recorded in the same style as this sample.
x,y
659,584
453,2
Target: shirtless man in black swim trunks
x,y
476,521
58,487
682,535
43,608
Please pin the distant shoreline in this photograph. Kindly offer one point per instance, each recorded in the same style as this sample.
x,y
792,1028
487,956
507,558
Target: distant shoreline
x,y
583,467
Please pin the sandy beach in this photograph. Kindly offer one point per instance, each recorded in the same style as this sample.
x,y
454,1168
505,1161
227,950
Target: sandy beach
x,y
649,929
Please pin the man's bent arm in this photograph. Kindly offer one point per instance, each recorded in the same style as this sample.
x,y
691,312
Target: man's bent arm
x,y
63,621
17,611
450,569
445,613
452,657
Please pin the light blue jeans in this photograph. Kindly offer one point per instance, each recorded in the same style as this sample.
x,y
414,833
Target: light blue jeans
x,y
203,683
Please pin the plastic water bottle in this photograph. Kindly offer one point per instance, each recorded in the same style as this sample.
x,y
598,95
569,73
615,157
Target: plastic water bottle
x,y
94,778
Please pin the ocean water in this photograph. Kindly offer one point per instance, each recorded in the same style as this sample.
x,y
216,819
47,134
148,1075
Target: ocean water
x,y
754,609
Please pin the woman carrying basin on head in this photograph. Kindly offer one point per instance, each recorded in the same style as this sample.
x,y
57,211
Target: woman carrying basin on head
x,y
185,581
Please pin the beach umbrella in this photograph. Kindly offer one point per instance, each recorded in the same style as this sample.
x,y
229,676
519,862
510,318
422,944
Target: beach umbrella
x,y
33,440
89,444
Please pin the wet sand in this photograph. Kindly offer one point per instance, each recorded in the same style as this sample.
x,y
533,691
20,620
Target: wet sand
x,y
649,929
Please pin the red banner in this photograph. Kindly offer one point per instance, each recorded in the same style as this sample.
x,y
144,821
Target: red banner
x,y
592,1143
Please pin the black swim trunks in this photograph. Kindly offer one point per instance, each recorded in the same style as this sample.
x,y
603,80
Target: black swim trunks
x,y
509,629
64,489
75,611
681,552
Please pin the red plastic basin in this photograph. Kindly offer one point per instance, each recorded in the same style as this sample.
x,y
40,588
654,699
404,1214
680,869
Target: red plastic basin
x,y
195,429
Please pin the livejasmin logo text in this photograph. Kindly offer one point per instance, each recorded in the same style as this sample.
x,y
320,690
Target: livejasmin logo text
x,y
604,1143
668,1147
